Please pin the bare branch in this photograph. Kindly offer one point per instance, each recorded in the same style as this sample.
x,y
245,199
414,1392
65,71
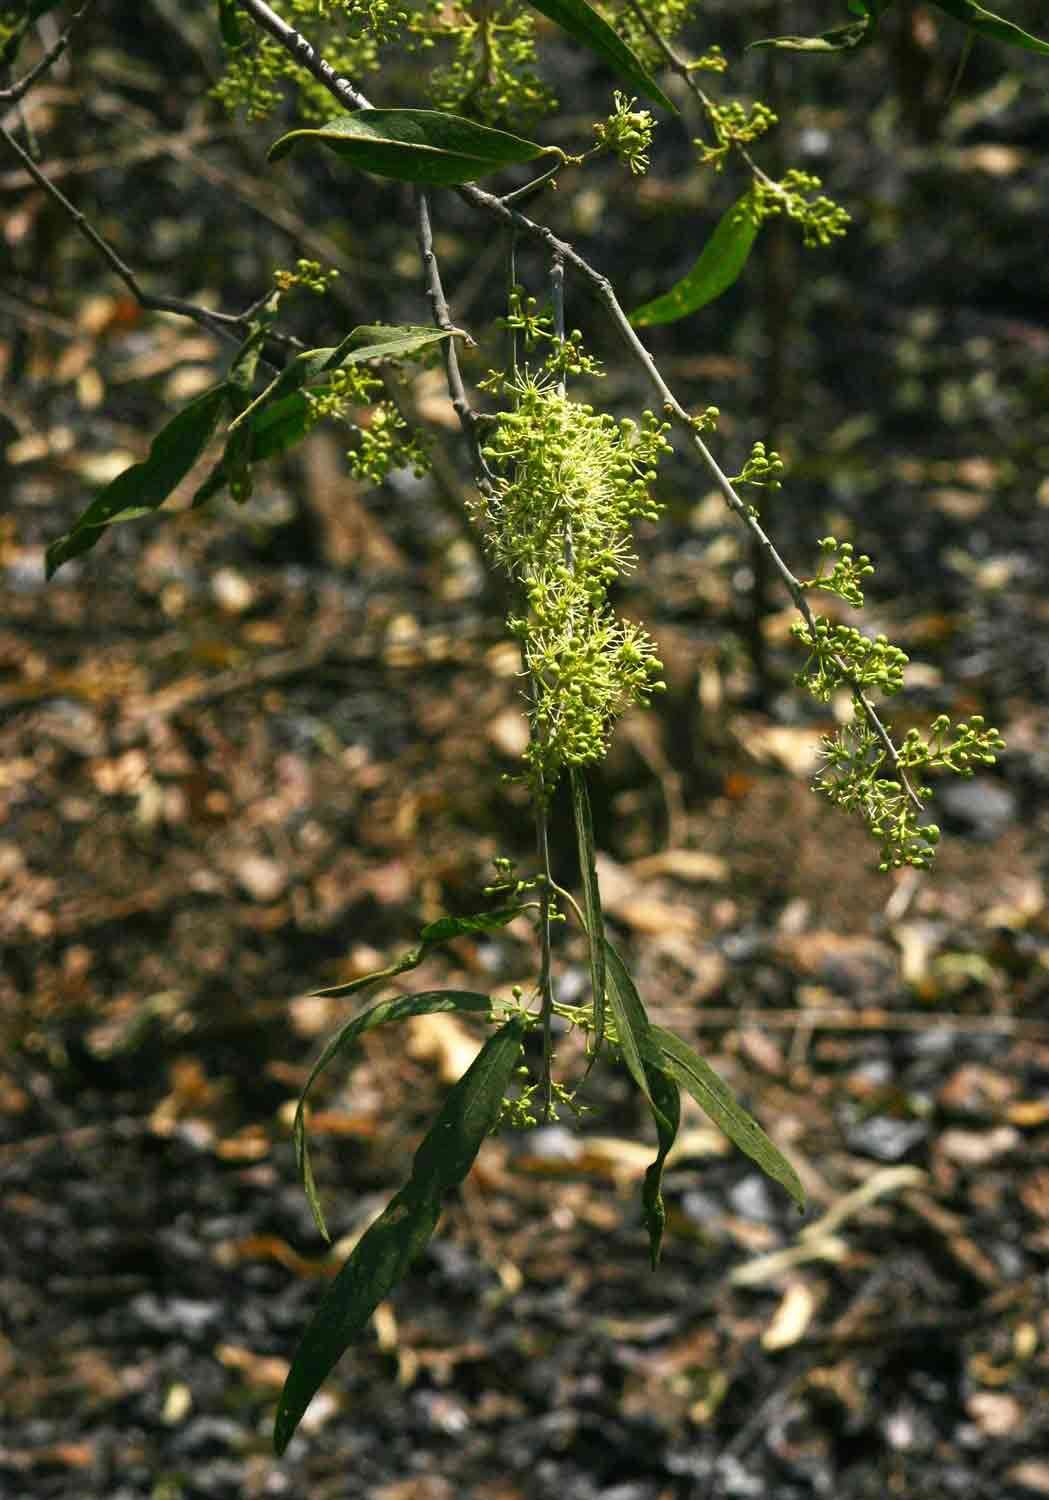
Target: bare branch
x,y
227,325
19,90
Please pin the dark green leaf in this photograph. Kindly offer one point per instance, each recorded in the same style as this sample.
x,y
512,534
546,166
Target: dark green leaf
x,y
988,24
399,1009
640,1053
717,1101
666,1111
722,259
146,485
389,341
385,1252
432,934
246,360
372,341
646,1065
595,923
484,921
584,23
415,145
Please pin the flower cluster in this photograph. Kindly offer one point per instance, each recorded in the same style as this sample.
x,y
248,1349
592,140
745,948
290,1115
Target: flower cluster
x,y
762,469
628,133
491,73
819,218
569,482
845,575
350,34
308,274
732,126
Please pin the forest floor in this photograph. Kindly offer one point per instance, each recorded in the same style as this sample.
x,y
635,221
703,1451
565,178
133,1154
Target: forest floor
x,y
224,784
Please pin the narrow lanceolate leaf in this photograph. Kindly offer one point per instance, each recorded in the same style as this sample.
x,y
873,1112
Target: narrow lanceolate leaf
x,y
633,1031
415,145
838,39
400,1009
988,24
272,431
666,1111
717,1101
145,486
646,1065
371,341
583,22
719,265
385,1252
433,933
595,923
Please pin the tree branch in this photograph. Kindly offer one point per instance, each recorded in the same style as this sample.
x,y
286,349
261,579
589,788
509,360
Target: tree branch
x,y
19,90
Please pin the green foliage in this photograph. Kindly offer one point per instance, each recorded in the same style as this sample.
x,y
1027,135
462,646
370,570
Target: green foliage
x,y
400,1234
568,481
144,487
719,265
415,145
559,486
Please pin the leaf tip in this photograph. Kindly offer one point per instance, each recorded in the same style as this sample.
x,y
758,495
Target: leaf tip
x,y
283,145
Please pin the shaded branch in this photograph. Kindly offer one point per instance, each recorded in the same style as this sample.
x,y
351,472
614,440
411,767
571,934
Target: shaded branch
x,y
18,90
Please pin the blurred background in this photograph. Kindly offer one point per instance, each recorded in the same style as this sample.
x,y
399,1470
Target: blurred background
x,y
246,752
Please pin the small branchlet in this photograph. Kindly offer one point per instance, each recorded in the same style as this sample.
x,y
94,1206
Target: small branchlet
x,y
846,573
872,663
761,469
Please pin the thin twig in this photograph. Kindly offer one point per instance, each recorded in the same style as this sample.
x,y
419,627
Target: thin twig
x,y
439,310
304,54
224,324
495,207
546,979
18,90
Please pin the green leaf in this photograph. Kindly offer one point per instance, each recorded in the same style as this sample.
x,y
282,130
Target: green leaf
x,y
390,341
278,427
371,341
838,39
633,1032
482,921
722,259
645,1063
717,1101
399,1009
432,934
146,485
583,22
385,1252
416,145
988,24
595,923
666,1111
